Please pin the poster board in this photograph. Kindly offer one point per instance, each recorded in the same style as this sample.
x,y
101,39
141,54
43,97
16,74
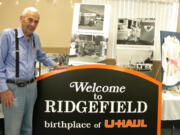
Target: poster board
x,y
97,99
89,42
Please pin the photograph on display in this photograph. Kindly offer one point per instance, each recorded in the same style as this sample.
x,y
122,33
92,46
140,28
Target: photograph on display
x,y
88,49
138,31
91,17
170,42
61,59
139,60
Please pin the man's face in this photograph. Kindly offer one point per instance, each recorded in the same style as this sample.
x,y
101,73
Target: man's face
x,y
29,22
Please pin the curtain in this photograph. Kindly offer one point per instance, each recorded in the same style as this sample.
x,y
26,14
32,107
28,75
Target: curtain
x,y
169,1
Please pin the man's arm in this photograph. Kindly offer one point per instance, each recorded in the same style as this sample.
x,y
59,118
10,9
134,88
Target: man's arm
x,y
42,57
47,61
3,56
5,94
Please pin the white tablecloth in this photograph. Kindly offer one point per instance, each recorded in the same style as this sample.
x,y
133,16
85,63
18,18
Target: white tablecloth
x,y
170,107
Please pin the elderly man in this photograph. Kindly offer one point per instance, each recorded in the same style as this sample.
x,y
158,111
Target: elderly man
x,y
19,50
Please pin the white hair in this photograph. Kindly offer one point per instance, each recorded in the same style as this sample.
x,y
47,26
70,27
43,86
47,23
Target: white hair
x,y
31,9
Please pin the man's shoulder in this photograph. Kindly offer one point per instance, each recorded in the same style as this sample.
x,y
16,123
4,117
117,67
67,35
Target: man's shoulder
x,y
35,34
8,31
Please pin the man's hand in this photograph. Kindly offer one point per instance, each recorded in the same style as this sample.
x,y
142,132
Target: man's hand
x,y
59,67
7,98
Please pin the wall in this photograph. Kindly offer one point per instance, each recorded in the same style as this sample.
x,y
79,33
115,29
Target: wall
x,y
56,21
178,27
55,24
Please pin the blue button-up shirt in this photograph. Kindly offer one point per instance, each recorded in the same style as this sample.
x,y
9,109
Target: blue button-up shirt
x,y
27,57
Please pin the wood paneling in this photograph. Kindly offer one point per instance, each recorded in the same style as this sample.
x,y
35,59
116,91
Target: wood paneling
x,y
156,71
56,50
178,27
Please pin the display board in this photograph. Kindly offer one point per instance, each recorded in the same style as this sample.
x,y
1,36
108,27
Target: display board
x,y
135,44
89,42
97,99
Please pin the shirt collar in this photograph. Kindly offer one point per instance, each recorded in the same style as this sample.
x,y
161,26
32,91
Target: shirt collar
x,y
20,32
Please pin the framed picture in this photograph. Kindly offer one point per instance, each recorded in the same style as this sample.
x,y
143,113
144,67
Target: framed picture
x,y
137,59
90,18
88,49
138,31
89,34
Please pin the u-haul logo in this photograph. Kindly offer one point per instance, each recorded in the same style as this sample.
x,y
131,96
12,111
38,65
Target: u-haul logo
x,y
125,124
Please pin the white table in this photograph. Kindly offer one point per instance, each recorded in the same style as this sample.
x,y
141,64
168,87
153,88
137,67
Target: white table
x,y
170,107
